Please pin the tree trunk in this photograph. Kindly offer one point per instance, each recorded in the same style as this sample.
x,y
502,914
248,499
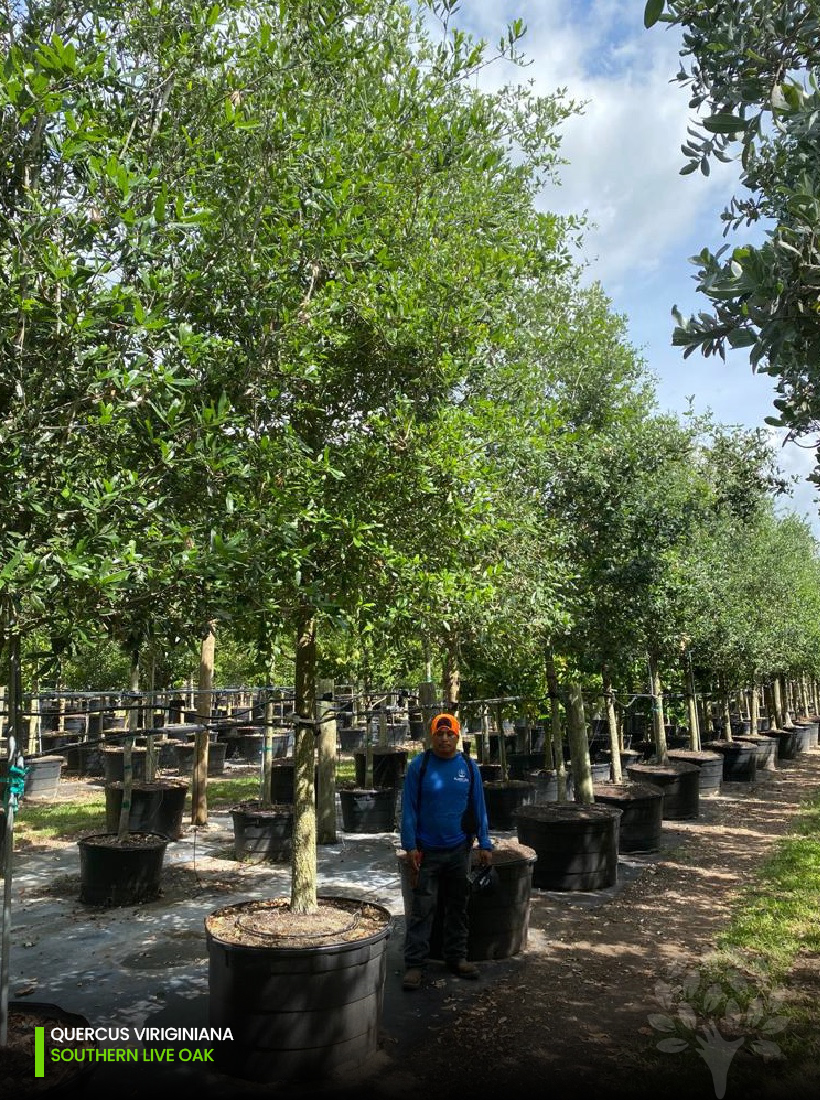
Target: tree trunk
x,y
204,706
303,851
725,711
692,710
777,703
579,747
754,710
502,745
614,743
427,697
452,676
555,727
658,724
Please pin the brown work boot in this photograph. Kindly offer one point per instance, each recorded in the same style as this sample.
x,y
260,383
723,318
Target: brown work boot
x,y
412,978
464,969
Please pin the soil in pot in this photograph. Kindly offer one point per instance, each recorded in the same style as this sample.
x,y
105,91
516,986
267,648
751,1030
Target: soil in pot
x,y
503,799
156,807
17,1057
301,993
641,806
262,834
116,873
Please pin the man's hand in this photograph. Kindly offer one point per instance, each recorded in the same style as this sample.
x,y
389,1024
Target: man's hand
x,y
414,859
485,857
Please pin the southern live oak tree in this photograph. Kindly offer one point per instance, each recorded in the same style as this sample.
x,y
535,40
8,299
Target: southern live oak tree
x,y
752,69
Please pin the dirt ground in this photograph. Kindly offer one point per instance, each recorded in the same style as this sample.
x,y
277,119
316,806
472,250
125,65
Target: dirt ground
x,y
574,1016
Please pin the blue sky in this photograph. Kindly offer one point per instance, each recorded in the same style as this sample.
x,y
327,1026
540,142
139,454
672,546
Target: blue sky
x,y
624,170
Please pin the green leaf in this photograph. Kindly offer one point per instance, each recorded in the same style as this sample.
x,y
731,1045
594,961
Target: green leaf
x,y
724,123
652,12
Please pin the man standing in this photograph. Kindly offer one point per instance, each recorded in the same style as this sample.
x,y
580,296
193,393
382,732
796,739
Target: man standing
x,y
443,813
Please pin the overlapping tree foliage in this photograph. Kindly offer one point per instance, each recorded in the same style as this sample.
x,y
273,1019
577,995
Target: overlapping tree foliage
x,y
287,345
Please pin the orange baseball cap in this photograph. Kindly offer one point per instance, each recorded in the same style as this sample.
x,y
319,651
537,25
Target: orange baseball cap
x,y
448,721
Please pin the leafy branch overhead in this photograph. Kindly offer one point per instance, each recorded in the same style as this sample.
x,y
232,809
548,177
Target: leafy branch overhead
x,y
752,71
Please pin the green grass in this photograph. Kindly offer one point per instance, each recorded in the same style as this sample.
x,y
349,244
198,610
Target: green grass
x,y
35,823
778,912
774,921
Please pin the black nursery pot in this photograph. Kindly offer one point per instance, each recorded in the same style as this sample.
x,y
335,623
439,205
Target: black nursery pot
x,y
296,1013
262,833
641,806
389,766
156,807
369,810
114,874
680,783
503,799
576,845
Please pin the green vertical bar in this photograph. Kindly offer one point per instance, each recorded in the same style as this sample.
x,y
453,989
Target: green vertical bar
x,y
39,1052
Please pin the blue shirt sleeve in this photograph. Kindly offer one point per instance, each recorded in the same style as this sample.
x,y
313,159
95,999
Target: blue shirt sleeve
x,y
480,810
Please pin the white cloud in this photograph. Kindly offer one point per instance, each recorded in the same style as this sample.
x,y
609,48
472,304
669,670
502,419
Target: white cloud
x,y
624,169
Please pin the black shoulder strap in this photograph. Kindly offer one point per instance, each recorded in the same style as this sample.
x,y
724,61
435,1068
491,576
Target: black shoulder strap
x,y
471,770
422,770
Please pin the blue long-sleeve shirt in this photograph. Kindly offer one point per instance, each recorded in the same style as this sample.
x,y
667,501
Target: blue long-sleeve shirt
x,y
443,801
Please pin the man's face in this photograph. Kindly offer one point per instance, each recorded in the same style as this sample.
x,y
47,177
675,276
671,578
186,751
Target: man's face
x,y
445,742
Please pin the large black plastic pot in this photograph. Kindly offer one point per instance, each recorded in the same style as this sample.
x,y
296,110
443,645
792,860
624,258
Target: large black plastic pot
x,y
805,736
520,764
351,738
490,773
576,845
739,760
262,833
503,799
546,785
251,743
114,762
156,807
43,776
679,782
711,768
281,781
116,874
641,806
766,749
295,1012
85,759
389,766
185,754
498,919
369,810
